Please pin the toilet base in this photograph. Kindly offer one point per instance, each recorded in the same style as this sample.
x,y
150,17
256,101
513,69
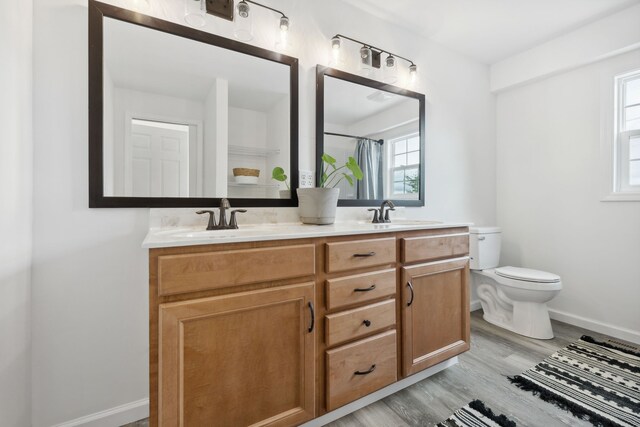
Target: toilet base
x,y
532,322
530,319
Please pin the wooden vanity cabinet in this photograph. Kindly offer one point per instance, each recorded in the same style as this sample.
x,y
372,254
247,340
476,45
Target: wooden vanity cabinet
x,y
435,303
278,333
233,351
360,318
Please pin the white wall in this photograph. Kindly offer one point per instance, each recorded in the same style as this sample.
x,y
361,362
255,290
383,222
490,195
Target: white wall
x,y
216,139
16,210
90,276
278,130
548,170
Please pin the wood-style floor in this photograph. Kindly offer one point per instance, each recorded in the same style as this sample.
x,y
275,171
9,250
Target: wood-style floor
x,y
481,374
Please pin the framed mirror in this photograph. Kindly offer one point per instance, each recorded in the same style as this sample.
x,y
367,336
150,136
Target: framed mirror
x,y
182,118
382,127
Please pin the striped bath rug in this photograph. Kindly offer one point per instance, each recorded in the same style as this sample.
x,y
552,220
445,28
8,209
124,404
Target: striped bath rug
x,y
595,381
476,414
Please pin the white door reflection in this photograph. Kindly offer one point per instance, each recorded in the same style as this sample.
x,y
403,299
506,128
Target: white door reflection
x,y
156,159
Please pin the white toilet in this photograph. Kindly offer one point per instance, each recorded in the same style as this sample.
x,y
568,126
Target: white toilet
x,y
511,297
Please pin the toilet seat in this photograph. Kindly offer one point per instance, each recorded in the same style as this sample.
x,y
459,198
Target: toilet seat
x,y
527,275
521,283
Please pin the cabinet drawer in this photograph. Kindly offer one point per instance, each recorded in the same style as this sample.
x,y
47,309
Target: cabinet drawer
x,y
360,288
352,324
426,248
357,369
211,270
342,256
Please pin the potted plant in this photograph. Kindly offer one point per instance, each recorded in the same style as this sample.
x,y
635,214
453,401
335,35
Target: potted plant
x,y
318,205
279,175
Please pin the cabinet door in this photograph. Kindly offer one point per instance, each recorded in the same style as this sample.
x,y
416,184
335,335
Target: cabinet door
x,y
435,313
238,360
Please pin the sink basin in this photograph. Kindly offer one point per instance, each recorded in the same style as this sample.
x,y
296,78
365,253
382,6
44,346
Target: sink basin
x,y
205,234
413,222
401,222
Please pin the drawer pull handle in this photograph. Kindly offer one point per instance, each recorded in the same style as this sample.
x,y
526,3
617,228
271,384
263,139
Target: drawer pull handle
x,y
412,294
368,371
366,323
367,254
313,317
370,288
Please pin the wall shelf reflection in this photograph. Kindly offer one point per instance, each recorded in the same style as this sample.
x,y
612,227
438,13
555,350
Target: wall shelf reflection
x,y
240,150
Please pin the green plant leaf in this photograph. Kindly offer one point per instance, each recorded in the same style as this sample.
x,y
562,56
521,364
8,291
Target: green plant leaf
x,y
329,160
349,179
278,174
352,165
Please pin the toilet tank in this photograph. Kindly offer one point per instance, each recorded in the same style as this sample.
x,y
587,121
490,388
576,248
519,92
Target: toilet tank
x,y
484,247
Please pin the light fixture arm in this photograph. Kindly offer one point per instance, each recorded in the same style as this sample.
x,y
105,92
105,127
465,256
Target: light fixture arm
x,y
267,7
340,36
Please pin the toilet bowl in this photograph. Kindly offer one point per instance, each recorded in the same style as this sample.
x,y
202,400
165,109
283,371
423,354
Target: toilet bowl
x,y
511,297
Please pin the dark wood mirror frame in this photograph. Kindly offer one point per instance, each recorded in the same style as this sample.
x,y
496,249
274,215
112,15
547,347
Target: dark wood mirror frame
x,y
97,199
321,72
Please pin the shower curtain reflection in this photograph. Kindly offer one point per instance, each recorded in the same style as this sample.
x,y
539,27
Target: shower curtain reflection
x,y
369,157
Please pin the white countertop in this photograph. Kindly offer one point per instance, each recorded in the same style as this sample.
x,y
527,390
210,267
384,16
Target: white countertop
x,y
188,236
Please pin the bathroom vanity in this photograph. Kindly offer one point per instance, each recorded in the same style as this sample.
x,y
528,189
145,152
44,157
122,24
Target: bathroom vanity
x,y
277,325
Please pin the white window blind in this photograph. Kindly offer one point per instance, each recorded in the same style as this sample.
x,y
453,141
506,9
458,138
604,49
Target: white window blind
x,y
627,125
405,165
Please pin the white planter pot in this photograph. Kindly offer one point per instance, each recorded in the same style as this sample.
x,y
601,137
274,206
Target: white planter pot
x,y
285,194
318,205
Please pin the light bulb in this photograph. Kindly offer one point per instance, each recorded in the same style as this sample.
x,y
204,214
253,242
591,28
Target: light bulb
x,y
365,52
413,72
335,43
391,61
390,73
243,9
242,22
284,24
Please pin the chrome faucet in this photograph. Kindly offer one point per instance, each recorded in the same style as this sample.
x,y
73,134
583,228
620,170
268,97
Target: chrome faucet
x,y
222,223
380,215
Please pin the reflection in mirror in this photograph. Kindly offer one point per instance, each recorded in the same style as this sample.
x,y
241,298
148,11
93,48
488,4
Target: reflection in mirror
x,y
381,129
180,115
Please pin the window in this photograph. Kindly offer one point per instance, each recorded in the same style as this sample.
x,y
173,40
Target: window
x,y
627,133
405,165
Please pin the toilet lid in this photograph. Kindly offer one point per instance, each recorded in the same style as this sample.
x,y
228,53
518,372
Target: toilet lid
x,y
527,274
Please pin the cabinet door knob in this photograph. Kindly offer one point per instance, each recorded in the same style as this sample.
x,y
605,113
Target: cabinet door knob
x,y
370,288
367,254
368,371
412,294
366,323
313,317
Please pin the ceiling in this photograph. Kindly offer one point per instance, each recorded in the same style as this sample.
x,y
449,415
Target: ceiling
x,y
491,30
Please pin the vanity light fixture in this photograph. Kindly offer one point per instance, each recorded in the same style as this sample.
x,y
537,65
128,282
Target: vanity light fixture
x,y
413,72
243,29
335,43
195,12
370,58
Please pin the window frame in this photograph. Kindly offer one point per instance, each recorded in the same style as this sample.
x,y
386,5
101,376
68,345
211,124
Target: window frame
x,y
391,153
615,140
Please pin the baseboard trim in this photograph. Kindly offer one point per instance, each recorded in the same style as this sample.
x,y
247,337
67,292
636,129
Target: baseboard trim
x,y
475,305
120,415
594,325
380,394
